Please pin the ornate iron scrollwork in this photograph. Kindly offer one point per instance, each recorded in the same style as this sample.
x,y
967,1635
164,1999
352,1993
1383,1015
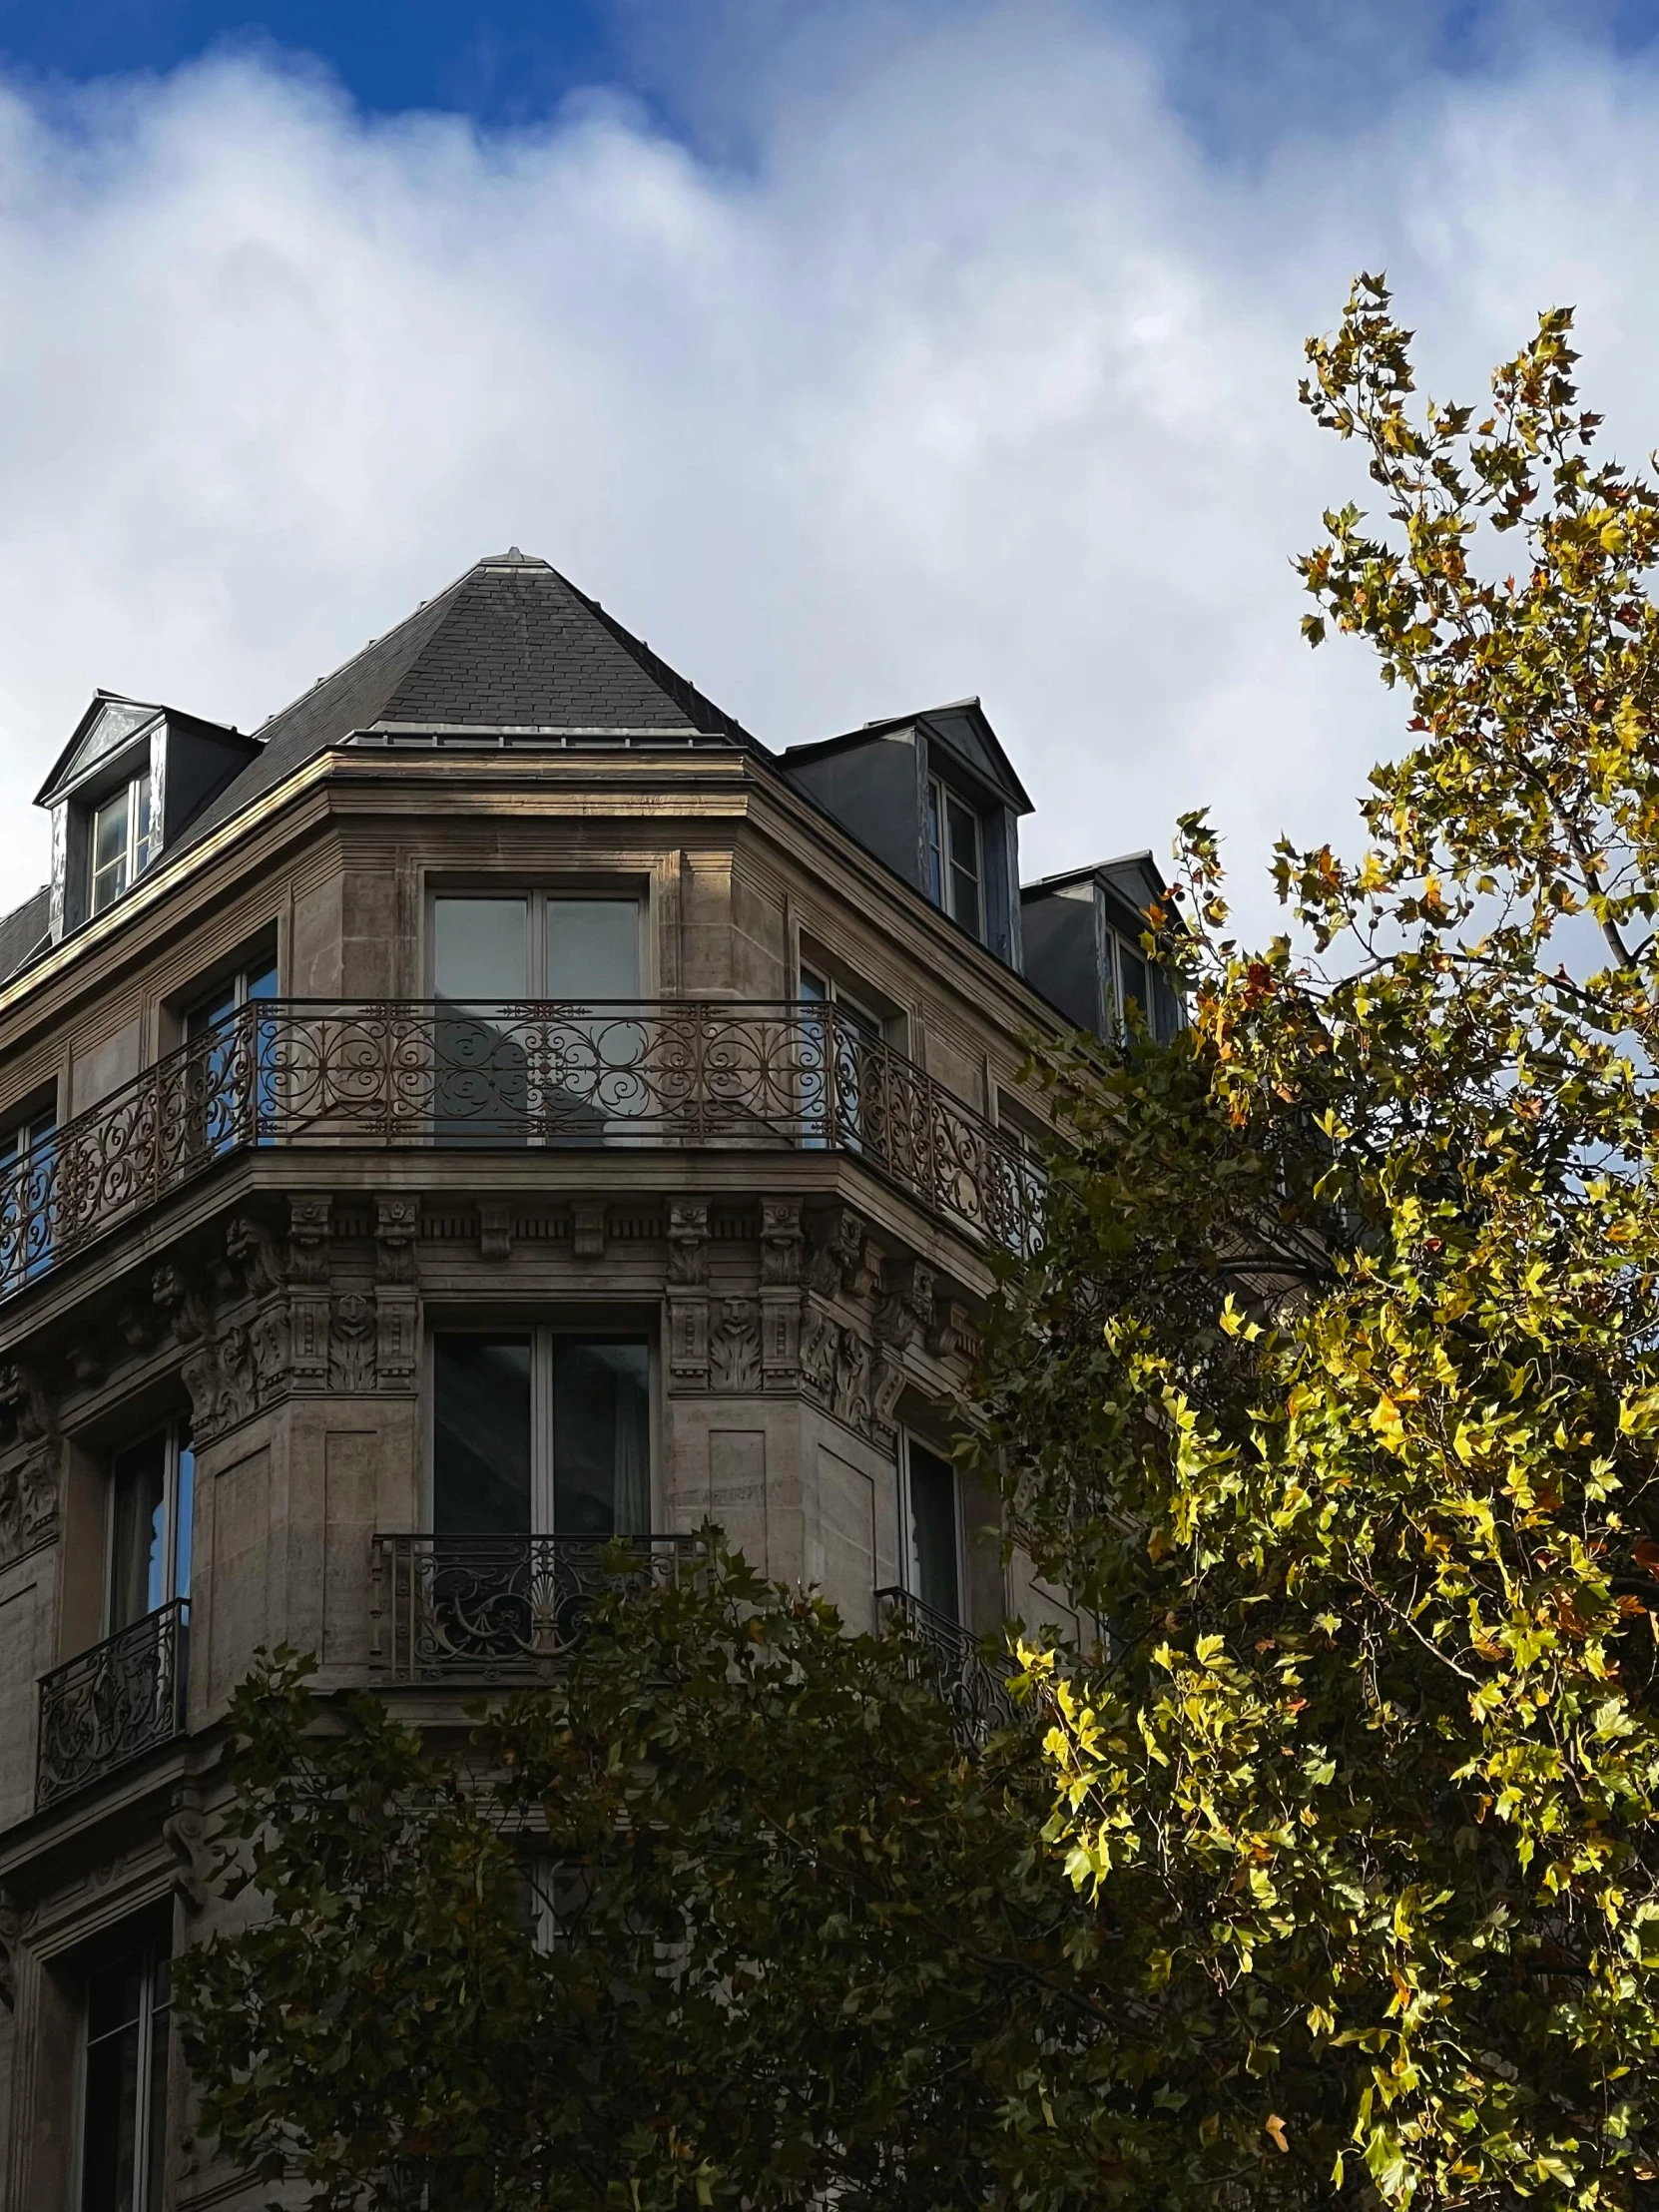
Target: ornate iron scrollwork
x,y
970,1682
422,1074
500,1608
120,1699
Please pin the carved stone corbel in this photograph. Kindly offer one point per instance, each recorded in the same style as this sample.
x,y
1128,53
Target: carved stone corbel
x,y
396,1353
29,1464
309,1232
905,1311
688,1293
185,1833
950,1331
840,1259
495,1231
782,1247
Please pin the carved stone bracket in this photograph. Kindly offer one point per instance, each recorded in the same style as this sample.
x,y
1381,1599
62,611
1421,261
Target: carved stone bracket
x,y
397,1352
185,1833
905,1311
840,1259
688,1294
30,1457
782,1253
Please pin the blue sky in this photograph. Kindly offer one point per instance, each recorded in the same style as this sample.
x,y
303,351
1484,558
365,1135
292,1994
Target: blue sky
x,y
859,355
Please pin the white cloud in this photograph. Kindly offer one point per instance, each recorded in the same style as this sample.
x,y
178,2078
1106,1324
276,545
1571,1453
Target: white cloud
x,y
979,376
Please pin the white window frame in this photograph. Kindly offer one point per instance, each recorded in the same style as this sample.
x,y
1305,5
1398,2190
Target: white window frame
x,y
536,898
138,846
910,1565
834,993
543,1336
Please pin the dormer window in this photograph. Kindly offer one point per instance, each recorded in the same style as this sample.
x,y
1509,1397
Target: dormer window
x,y
955,858
122,845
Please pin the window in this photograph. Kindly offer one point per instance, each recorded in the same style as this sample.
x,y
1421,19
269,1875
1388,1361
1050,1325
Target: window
x,y
124,2084
1139,991
955,870
26,1150
929,1526
151,1497
231,1084
838,1099
122,841
536,1431
500,950
519,1077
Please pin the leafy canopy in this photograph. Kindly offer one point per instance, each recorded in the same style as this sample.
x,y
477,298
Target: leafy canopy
x,y
1334,1388
1334,1385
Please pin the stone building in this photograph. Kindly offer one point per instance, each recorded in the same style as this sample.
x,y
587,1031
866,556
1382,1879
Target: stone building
x,y
499,1106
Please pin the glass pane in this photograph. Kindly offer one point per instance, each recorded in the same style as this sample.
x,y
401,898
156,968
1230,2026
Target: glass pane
x,y
108,833
933,1539
601,1439
935,844
481,1436
964,866
593,949
814,986
1134,982
155,2148
109,2128
217,1006
480,950
115,1996
184,1512
138,1531
141,830
260,982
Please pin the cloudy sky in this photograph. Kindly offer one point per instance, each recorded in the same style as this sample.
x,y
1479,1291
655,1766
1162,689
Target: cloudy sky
x,y
859,355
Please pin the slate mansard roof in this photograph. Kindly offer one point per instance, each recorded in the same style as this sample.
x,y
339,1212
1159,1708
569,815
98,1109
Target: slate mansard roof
x,y
510,647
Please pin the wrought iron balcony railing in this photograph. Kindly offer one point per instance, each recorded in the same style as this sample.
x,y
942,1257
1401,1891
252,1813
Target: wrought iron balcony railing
x,y
972,1683
422,1074
483,1609
122,1698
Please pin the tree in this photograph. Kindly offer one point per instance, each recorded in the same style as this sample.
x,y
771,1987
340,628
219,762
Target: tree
x,y
1335,1388
796,1936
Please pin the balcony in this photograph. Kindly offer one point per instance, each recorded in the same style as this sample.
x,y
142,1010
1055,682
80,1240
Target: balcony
x,y
123,1697
416,1075
972,1683
499,1609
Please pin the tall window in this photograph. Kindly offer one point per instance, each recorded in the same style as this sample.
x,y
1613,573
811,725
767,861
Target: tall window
x,y
1140,991
152,1496
122,841
504,1078
124,2084
956,857
930,1524
233,1077
539,1433
854,1035
26,1146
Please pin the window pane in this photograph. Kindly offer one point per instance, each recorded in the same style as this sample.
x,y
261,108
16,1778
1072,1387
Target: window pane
x,y
601,1439
109,852
217,1006
934,842
1134,981
142,828
115,1996
184,1510
593,949
260,982
109,2132
138,1531
964,866
155,2147
933,1530
481,1436
814,986
480,950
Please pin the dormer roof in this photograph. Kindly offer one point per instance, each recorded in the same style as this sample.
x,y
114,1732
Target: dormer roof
x,y
960,725
110,724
